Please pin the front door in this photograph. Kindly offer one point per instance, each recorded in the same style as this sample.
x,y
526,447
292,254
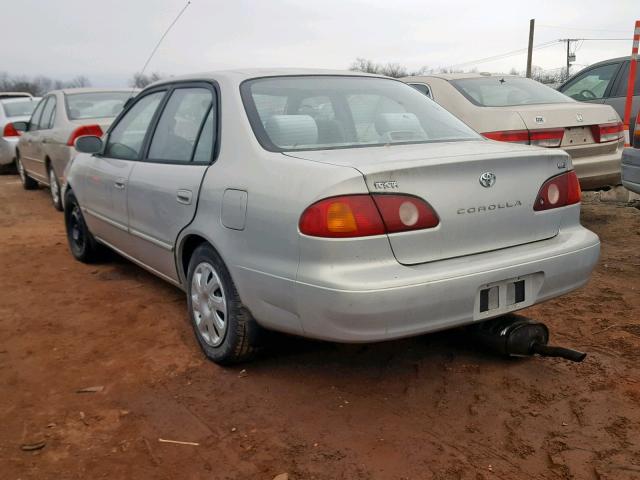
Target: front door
x,y
164,186
105,189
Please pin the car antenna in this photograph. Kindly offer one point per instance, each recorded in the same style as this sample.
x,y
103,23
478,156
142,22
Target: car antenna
x,y
155,49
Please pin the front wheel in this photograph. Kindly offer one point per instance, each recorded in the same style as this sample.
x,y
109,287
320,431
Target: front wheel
x,y
225,329
28,183
54,188
81,243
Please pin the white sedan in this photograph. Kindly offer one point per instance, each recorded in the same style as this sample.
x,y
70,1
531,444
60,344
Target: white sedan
x,y
520,110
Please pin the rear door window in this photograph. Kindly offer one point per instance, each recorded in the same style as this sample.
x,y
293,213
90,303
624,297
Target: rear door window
x,y
592,84
34,123
47,113
127,137
422,88
180,124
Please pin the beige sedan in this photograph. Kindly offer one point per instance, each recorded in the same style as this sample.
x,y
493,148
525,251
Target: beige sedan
x,y
520,110
47,142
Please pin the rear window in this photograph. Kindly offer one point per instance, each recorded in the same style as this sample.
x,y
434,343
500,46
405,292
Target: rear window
x,y
507,91
81,106
325,112
19,108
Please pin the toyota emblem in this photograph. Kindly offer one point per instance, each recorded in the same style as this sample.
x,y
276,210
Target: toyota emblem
x,y
488,179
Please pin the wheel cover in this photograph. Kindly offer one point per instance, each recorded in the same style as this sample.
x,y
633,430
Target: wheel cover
x,y
76,230
53,186
209,304
21,171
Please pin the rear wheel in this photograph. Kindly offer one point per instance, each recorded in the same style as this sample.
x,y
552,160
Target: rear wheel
x,y
225,329
28,183
9,168
81,243
54,188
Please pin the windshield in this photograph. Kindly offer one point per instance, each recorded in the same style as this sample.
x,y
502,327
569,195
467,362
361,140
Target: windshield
x,y
507,91
95,105
19,108
323,112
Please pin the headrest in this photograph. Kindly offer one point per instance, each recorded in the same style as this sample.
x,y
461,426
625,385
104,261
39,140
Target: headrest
x,y
292,130
395,123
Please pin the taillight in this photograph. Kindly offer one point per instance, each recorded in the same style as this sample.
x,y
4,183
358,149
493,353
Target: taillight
x,y
10,131
546,137
401,213
636,134
366,215
558,191
83,131
514,136
607,132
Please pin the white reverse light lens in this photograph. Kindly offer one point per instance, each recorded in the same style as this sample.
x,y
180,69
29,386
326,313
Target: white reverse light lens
x,y
553,194
408,213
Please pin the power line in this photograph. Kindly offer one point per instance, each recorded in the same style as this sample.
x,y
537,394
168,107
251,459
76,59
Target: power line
x,y
582,29
505,55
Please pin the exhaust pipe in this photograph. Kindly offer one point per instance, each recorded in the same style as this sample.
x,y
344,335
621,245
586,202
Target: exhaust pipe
x,y
519,336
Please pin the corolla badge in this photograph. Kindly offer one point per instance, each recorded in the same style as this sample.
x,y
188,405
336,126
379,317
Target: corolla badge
x,y
488,179
579,117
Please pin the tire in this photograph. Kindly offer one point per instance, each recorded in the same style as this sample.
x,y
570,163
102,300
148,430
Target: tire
x,y
54,188
8,169
28,183
225,329
81,243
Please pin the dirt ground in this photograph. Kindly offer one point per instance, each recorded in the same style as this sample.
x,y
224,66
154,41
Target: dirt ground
x,y
433,407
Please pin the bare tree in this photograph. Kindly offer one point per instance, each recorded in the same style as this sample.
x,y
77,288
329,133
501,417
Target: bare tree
x,y
390,69
141,80
38,85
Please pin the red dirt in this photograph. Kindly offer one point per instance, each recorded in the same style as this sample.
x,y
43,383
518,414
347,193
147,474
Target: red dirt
x,y
432,407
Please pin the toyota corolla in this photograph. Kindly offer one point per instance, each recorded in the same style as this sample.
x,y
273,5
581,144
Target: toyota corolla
x,y
339,206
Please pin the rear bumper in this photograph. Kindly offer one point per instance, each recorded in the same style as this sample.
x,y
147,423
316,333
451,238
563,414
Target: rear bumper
x,y
7,150
631,169
597,171
440,295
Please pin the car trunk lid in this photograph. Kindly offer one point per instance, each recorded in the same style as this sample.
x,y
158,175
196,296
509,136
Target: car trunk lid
x,y
473,218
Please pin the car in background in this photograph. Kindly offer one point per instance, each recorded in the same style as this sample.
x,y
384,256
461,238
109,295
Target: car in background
x,y
631,160
334,205
46,146
12,109
605,83
14,95
520,110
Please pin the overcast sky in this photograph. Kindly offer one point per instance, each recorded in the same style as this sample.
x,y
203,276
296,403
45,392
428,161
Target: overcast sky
x,y
109,40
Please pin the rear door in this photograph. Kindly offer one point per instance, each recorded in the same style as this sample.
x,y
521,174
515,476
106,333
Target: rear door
x,y
104,185
30,147
164,186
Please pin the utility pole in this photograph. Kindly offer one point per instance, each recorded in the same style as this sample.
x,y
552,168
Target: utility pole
x,y
532,24
570,57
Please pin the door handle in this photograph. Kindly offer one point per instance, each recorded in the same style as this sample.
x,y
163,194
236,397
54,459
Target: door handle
x,y
184,197
119,184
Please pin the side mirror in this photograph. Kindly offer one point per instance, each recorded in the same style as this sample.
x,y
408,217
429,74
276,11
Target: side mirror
x,y
88,144
20,126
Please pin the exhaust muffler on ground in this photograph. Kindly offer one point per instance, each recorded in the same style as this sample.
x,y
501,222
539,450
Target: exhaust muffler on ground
x,y
519,336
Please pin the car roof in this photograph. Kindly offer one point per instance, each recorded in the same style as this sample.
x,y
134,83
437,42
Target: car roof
x,y
15,94
20,99
242,74
457,76
70,91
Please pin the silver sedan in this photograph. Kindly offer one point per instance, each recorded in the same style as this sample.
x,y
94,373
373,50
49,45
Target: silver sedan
x,y
332,205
